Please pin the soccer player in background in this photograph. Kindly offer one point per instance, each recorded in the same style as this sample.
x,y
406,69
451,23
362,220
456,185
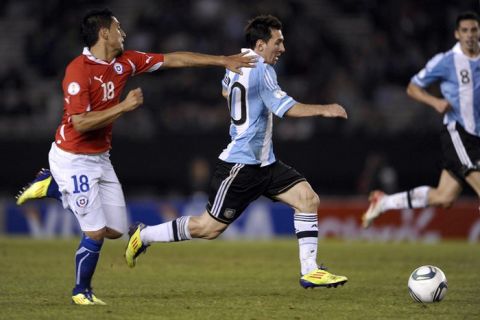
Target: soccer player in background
x,y
457,71
247,167
82,176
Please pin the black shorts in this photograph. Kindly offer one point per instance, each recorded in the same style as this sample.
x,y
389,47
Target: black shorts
x,y
461,151
234,186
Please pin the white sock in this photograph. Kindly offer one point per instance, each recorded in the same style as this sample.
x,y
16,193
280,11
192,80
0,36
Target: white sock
x,y
415,198
172,231
306,230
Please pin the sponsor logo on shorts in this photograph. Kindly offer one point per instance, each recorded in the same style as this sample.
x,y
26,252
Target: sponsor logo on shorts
x,y
229,213
81,201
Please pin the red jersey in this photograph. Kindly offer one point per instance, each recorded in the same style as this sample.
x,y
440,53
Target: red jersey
x,y
91,84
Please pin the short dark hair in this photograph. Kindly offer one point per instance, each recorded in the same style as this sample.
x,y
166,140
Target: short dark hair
x,y
92,22
260,28
468,15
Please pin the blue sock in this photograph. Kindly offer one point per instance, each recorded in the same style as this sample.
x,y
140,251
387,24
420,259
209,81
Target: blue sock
x,y
86,260
52,190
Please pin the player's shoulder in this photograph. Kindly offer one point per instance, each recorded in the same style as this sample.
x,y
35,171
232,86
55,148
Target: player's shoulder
x,y
129,54
440,59
259,74
265,67
444,55
260,69
269,72
78,65
77,61
248,74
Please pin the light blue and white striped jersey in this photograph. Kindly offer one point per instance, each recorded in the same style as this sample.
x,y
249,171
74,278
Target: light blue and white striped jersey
x,y
459,78
252,99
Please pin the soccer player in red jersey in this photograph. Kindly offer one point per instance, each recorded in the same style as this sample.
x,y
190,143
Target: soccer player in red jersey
x,y
81,174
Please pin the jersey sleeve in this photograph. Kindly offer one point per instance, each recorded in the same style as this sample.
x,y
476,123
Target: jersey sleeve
x,y
434,71
76,86
143,62
272,95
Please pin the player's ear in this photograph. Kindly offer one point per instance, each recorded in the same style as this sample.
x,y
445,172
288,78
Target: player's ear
x,y
260,45
457,36
103,33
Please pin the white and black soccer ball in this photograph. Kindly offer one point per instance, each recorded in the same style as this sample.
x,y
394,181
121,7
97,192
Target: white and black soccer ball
x,y
427,284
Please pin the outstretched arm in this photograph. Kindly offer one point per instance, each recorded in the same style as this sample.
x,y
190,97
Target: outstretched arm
x,y
191,59
324,110
418,93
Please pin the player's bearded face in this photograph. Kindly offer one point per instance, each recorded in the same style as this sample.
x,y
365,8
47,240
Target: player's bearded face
x,y
274,47
467,34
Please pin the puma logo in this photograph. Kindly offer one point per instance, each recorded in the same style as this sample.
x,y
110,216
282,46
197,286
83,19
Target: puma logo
x,y
98,79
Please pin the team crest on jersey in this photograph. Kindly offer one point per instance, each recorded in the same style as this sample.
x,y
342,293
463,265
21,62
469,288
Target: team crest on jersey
x,y
81,201
118,68
73,88
279,94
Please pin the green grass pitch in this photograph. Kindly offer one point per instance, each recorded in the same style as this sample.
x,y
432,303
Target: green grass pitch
x,y
236,280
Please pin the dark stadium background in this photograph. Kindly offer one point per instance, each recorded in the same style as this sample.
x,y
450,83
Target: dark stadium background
x,y
360,54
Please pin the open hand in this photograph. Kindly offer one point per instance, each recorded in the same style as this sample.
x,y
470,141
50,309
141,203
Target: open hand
x,y
240,60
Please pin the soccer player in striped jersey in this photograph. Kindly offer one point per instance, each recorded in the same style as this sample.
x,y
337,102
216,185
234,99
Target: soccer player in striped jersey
x,y
248,168
458,72
82,176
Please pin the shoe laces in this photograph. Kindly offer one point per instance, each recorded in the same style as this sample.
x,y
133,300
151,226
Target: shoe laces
x,y
322,267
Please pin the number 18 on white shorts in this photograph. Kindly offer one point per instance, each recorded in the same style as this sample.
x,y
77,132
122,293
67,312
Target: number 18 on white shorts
x,y
90,189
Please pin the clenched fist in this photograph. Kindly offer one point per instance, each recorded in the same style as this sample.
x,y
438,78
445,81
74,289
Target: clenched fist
x,y
133,100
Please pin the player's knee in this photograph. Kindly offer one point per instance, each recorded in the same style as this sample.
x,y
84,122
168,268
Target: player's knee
x,y
315,201
97,235
309,201
112,234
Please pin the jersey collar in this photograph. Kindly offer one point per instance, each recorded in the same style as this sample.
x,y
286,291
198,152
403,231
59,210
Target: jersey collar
x,y
458,49
91,57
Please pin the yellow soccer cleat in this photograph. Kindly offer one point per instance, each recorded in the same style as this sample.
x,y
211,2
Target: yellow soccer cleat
x,y
97,301
37,189
87,299
135,245
322,278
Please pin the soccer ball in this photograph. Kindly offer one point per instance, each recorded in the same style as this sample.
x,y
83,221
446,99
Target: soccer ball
x,y
427,284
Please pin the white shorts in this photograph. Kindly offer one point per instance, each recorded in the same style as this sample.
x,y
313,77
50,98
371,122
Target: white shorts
x,y
90,189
